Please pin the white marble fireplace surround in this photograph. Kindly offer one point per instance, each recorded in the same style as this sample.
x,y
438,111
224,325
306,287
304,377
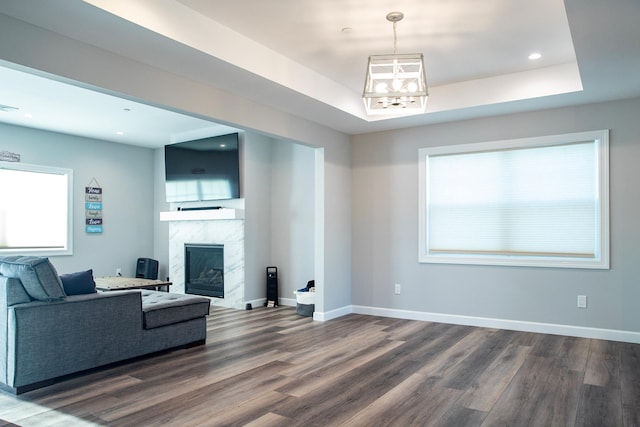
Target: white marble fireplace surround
x,y
227,232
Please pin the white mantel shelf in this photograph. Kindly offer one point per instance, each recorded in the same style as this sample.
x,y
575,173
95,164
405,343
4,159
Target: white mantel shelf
x,y
202,215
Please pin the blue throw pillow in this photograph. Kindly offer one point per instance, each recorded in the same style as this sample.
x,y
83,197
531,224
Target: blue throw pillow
x,y
78,283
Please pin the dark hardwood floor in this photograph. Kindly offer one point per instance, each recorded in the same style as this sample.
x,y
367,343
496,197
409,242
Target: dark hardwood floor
x,y
271,367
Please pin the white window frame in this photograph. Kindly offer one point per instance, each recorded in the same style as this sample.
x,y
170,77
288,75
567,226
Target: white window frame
x,y
601,258
67,247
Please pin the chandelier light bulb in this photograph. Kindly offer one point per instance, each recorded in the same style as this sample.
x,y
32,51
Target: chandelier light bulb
x,y
381,88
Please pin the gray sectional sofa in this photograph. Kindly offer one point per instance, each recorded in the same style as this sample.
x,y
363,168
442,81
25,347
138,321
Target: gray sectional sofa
x,y
47,334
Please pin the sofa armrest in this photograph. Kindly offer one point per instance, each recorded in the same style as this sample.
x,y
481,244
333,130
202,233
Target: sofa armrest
x,y
50,339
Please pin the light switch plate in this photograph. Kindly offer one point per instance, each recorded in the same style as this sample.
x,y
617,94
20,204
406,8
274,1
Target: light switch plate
x,y
582,301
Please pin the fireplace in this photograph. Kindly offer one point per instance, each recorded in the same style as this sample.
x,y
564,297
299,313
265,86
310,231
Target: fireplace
x,y
204,270
229,233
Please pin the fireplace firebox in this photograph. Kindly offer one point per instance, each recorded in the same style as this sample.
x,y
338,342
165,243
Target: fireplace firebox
x,y
204,270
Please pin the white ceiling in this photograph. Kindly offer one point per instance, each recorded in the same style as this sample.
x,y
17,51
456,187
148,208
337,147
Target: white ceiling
x,y
53,105
308,57
452,35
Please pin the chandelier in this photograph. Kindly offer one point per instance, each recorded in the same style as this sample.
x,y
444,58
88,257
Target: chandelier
x,y
395,83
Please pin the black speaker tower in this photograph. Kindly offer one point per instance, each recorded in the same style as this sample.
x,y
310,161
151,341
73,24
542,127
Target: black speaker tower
x,y
272,286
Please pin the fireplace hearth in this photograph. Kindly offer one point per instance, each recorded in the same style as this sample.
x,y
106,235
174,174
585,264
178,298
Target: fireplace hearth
x,y
204,269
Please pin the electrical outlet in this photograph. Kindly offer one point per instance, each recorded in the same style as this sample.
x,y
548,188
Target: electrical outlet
x,y
397,288
582,301
118,271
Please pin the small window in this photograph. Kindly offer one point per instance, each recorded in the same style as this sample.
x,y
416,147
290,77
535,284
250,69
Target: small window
x,y
529,202
35,210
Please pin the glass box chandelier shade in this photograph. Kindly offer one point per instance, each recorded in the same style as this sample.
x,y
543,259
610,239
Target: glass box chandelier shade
x,y
395,83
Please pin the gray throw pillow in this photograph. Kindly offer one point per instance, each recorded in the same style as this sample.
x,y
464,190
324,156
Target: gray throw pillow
x,y
38,276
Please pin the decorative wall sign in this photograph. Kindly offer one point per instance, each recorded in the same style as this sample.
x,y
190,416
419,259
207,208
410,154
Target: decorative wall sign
x,y
94,229
93,207
7,156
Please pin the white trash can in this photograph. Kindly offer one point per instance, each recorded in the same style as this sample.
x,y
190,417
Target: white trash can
x,y
305,303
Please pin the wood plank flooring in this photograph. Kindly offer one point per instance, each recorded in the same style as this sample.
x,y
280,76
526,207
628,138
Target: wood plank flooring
x,y
271,367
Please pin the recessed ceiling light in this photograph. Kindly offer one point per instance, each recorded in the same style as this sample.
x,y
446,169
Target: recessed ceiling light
x,y
534,56
120,133
28,116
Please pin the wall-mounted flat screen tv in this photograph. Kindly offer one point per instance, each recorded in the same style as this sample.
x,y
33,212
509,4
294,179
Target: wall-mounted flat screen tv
x,y
202,170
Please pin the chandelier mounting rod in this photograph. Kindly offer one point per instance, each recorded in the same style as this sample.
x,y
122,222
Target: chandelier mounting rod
x,y
395,17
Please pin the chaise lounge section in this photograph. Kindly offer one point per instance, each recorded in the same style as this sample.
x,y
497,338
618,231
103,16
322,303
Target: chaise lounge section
x,y
47,334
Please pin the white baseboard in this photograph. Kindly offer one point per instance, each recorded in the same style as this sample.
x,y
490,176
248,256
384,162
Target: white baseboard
x,y
289,302
260,302
486,322
333,314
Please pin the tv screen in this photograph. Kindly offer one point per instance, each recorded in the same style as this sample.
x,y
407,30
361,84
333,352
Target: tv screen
x,y
204,169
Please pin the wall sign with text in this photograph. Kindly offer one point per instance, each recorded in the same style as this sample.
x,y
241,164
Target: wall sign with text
x,y
93,207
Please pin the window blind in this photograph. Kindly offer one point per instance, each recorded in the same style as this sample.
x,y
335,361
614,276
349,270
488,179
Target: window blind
x,y
540,201
35,210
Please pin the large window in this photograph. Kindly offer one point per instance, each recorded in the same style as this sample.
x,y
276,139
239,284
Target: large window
x,y
532,202
35,210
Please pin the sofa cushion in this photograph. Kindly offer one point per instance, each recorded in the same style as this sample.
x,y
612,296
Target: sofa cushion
x,y
38,276
15,292
78,283
163,308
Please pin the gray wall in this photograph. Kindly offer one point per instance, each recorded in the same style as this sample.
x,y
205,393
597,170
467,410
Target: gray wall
x,y
385,228
256,185
337,232
125,174
292,216
160,228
